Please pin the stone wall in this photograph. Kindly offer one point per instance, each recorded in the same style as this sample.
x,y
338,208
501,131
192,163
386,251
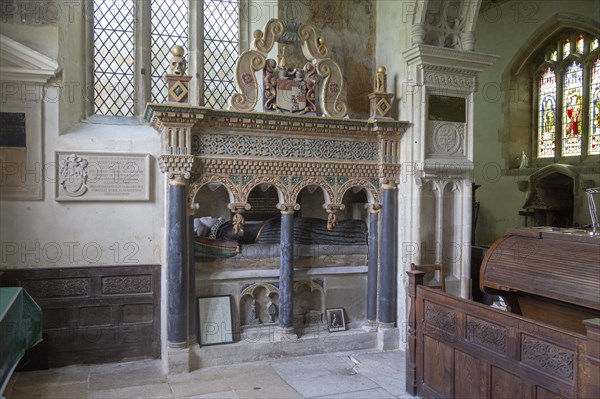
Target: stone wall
x,y
349,29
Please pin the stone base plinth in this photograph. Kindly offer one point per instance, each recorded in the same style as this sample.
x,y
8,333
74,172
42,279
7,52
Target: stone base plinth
x,y
388,338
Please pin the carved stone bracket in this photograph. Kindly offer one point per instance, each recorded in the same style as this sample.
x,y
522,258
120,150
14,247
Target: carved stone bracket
x,y
176,166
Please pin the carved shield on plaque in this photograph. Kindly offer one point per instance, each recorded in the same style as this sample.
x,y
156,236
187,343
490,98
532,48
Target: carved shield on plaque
x,y
291,95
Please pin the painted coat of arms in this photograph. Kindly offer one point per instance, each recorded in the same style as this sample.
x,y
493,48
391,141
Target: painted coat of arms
x,y
290,90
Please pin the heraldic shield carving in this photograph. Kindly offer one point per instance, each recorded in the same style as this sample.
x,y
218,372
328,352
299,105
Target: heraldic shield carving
x,y
303,80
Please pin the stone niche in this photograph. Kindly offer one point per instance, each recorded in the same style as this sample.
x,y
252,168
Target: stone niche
x,y
259,303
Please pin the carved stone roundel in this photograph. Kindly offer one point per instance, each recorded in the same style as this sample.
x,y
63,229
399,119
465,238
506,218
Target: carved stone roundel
x,y
446,139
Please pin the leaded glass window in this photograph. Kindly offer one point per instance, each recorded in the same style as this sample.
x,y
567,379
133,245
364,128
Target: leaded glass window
x,y
221,50
113,57
572,94
595,109
169,28
547,114
126,29
568,113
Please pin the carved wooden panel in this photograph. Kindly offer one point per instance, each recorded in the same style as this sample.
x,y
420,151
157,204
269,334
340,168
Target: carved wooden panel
x,y
438,374
470,377
547,357
127,285
95,314
489,335
57,288
505,385
492,353
441,317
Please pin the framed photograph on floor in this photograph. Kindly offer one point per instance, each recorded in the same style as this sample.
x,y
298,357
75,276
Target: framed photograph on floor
x,y
335,320
215,324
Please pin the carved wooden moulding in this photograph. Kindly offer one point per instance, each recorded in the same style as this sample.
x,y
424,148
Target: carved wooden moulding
x,y
313,86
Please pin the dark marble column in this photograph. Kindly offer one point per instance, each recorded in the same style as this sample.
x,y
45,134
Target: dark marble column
x,y
193,317
177,270
372,263
388,261
286,270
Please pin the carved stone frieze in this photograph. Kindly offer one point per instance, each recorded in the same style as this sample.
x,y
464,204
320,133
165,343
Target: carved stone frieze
x,y
547,357
448,80
127,285
489,335
447,140
288,147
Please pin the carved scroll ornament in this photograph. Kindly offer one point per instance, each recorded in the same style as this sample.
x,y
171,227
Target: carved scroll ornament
x,y
314,50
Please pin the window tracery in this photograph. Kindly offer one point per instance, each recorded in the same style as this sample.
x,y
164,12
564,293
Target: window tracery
x,y
567,89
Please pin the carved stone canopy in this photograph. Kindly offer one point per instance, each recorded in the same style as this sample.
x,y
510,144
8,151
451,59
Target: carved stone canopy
x,y
314,87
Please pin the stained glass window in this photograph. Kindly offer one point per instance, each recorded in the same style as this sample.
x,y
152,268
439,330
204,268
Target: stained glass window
x,y
594,44
580,44
566,48
554,55
547,114
113,57
572,108
169,28
221,50
595,109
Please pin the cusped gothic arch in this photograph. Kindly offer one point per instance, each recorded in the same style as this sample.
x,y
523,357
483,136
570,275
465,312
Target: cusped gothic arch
x,y
372,193
280,187
328,193
232,189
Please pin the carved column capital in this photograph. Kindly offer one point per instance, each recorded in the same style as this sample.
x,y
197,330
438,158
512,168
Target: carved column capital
x,y
389,184
333,208
238,207
289,208
177,167
373,208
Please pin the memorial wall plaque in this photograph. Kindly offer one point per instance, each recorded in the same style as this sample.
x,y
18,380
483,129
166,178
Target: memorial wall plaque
x,y
91,176
446,108
12,129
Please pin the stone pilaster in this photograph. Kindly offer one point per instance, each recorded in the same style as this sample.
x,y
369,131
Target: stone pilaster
x,y
373,258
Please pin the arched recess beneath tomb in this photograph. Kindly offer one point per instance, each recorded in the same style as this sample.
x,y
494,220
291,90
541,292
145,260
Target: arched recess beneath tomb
x,y
309,302
210,199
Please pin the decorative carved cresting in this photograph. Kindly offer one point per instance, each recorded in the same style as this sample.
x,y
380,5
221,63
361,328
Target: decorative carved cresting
x,y
313,48
546,356
489,335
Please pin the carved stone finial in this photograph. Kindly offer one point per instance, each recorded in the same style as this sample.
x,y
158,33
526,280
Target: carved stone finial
x,y
380,83
381,101
177,65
